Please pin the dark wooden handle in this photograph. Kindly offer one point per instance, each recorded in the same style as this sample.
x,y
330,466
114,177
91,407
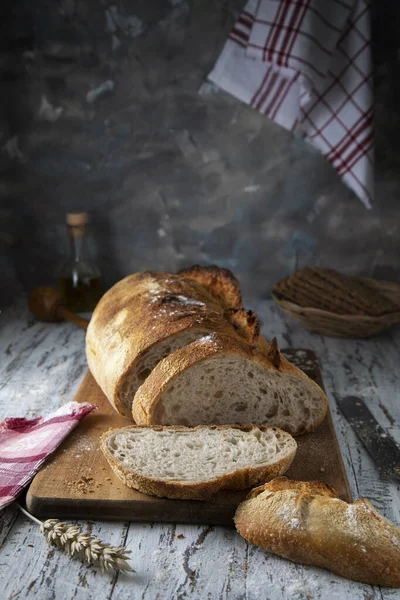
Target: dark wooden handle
x,y
47,304
64,313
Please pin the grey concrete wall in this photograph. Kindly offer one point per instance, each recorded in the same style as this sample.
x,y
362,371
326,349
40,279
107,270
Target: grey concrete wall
x,y
169,176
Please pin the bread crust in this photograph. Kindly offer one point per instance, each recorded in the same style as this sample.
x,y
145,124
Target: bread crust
x,y
307,523
139,312
241,479
223,285
147,308
246,324
147,407
219,282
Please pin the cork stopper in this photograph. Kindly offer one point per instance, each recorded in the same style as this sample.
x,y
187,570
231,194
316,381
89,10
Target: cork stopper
x,y
77,223
77,218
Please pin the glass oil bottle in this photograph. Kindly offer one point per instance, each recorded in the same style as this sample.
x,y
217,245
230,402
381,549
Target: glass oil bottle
x,y
80,279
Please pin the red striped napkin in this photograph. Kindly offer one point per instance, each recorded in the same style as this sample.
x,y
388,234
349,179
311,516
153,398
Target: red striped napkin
x,y
307,65
26,443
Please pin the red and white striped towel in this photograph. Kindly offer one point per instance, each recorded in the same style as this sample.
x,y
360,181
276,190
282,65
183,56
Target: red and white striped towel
x,y
307,65
26,443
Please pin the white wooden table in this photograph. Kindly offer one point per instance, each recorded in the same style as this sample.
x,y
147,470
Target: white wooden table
x,y
41,367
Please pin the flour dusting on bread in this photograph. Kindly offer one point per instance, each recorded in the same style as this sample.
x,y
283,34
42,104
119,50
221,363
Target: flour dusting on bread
x,y
301,521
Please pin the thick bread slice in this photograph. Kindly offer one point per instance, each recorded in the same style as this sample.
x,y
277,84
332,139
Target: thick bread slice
x,y
306,523
182,462
221,380
139,321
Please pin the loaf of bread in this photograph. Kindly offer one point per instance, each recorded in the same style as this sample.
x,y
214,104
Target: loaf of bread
x,y
152,334
306,522
195,463
139,321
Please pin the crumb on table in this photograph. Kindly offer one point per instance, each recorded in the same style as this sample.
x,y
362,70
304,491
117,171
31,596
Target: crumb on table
x,y
83,485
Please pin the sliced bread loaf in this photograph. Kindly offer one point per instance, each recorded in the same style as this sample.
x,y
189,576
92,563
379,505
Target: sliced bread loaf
x,y
142,319
195,463
220,380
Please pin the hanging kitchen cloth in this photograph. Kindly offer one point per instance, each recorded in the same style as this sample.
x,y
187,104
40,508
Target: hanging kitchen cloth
x,y
307,65
26,443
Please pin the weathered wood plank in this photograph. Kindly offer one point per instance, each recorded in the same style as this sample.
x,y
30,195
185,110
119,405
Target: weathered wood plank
x,y
43,369
46,373
39,571
186,561
281,580
16,328
8,517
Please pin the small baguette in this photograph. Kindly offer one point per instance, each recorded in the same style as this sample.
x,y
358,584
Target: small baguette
x,y
195,463
306,523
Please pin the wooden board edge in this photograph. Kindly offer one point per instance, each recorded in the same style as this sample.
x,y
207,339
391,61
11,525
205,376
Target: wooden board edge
x,y
210,514
328,416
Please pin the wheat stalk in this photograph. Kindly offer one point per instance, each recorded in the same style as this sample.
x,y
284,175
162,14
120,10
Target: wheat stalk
x,y
79,544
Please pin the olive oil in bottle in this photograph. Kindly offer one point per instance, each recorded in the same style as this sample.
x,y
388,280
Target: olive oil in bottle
x,y
80,280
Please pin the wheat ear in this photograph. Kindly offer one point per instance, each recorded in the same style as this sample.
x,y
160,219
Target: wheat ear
x,y
79,544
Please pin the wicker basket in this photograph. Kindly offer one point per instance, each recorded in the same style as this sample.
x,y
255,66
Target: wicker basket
x,y
346,326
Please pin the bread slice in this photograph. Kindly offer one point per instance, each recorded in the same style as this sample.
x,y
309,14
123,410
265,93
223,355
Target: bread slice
x,y
182,462
306,522
220,380
141,320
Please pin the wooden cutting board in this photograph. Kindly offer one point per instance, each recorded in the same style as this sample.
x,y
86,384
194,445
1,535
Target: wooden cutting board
x,y
76,482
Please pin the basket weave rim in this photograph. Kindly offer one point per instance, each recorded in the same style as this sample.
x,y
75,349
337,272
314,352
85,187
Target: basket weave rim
x,y
319,312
